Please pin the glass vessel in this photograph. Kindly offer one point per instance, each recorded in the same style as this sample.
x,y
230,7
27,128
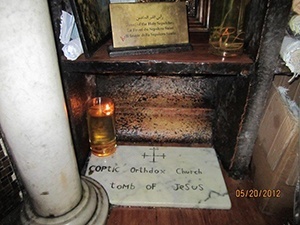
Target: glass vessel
x,y
101,126
227,27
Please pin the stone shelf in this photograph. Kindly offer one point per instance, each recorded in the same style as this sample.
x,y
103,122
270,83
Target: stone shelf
x,y
197,61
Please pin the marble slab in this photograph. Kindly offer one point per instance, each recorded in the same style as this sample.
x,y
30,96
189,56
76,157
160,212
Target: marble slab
x,y
185,177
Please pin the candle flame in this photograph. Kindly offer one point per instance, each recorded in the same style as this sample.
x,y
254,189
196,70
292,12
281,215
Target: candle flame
x,y
108,109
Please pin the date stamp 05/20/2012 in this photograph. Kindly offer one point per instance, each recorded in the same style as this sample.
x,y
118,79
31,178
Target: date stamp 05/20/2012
x,y
255,193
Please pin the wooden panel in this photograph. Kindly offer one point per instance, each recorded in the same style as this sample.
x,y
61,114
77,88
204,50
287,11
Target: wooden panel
x,y
274,165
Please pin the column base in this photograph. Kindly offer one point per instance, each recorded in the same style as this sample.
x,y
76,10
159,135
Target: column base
x,y
91,210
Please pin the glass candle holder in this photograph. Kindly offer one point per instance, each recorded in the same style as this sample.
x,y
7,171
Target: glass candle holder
x,y
101,126
227,27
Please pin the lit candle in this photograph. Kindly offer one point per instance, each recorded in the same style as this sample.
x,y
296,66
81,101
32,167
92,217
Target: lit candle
x,y
101,126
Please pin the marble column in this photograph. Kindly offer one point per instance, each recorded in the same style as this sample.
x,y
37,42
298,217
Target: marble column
x,y
34,121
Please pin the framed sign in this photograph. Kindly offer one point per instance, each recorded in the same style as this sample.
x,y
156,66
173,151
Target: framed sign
x,y
198,13
148,28
148,24
93,23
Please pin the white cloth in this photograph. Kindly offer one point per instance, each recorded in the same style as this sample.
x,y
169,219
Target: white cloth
x,y
290,53
69,37
73,49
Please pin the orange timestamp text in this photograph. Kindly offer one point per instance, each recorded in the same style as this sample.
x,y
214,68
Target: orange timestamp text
x,y
255,193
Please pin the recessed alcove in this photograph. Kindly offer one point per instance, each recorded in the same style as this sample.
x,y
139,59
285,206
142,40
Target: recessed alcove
x,y
193,92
